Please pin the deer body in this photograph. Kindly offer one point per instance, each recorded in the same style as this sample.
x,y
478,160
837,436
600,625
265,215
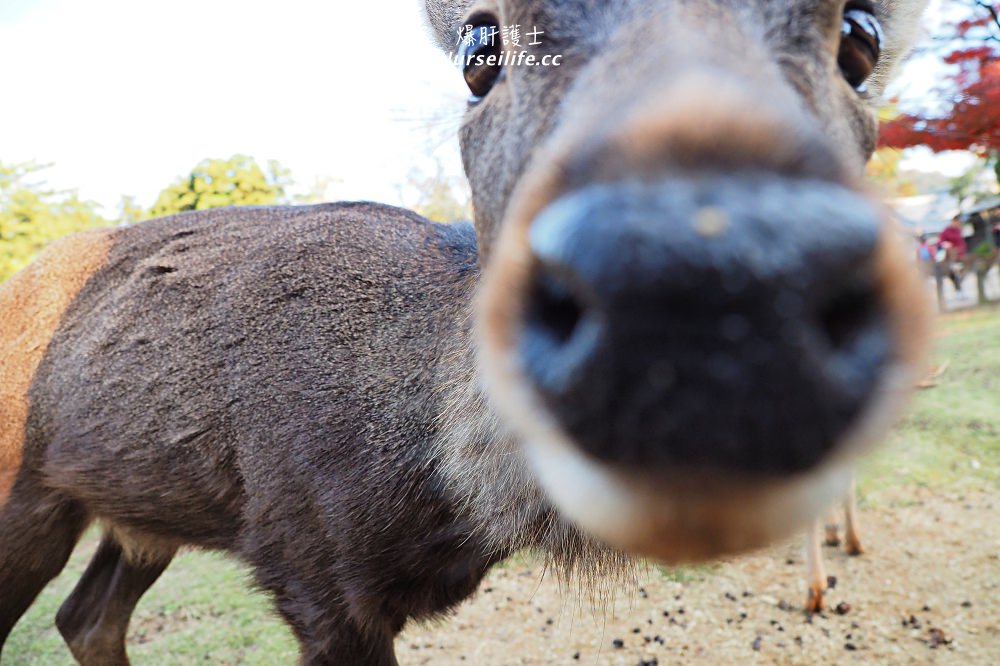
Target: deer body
x,y
190,451
675,324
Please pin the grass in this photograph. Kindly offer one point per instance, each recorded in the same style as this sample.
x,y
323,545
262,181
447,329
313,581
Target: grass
x,y
687,573
200,611
951,436
203,610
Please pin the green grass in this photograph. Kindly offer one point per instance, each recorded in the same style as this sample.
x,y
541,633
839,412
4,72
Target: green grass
x,y
203,611
951,435
200,611
687,573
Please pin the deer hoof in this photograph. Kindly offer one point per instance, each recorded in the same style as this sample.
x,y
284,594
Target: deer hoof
x,y
814,603
854,547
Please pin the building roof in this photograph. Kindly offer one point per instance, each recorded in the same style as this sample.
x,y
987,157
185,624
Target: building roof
x,y
925,213
985,205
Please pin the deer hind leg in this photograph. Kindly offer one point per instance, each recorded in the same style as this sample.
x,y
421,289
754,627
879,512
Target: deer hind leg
x,y
831,529
854,546
37,534
94,618
815,573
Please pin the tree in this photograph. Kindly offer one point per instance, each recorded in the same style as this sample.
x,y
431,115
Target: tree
x,y
32,215
129,211
884,172
967,113
974,184
436,194
319,192
213,183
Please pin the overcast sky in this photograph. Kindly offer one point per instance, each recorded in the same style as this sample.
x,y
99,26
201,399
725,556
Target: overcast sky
x,y
125,95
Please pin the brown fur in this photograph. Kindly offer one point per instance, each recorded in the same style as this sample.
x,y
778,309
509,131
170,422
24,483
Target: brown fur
x,y
34,303
902,290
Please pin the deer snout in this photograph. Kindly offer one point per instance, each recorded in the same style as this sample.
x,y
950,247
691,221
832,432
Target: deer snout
x,y
694,364
689,318
732,325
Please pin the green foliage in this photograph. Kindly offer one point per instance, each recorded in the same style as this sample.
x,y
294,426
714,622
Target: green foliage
x,y
442,202
437,195
984,249
319,192
214,183
883,170
974,183
689,573
32,215
129,211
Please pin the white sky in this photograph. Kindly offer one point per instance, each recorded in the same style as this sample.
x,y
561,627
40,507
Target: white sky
x,y
124,96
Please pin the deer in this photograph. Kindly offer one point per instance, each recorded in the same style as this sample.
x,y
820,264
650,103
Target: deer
x,y
817,582
675,322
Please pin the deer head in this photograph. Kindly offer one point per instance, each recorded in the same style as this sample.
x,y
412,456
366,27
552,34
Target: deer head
x,y
692,314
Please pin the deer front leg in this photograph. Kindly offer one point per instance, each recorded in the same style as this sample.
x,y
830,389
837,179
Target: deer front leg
x,y
815,575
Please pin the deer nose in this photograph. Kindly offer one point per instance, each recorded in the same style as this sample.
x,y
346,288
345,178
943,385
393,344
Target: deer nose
x,y
729,325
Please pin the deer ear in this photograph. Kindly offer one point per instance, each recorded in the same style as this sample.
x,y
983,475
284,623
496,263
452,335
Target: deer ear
x,y
444,17
900,21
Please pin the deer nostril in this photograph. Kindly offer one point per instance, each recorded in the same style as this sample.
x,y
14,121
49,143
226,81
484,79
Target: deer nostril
x,y
553,309
561,330
850,315
845,317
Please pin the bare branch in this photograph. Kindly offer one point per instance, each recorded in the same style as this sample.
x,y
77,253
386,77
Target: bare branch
x,y
988,6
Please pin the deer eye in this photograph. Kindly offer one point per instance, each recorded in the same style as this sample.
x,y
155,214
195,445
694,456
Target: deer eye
x,y
480,55
860,45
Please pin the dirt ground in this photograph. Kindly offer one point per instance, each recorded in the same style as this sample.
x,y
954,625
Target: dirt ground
x,y
926,592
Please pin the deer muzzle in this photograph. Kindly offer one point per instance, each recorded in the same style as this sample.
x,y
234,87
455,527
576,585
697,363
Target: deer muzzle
x,y
694,365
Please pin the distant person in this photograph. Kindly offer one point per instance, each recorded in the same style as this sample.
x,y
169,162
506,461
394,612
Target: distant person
x,y
925,254
952,242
